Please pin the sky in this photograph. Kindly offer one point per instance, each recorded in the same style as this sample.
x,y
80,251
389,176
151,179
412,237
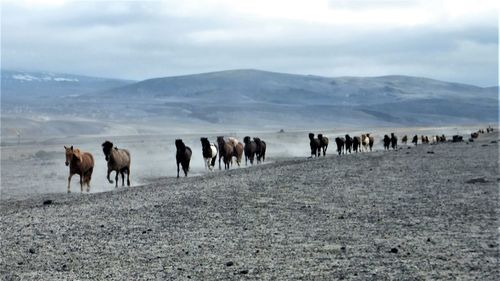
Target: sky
x,y
451,40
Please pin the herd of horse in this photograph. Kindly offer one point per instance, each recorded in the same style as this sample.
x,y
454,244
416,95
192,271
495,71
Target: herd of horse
x,y
254,149
118,159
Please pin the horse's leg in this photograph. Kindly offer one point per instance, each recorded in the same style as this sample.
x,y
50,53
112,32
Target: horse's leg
x,y
69,182
220,156
116,178
81,182
177,169
128,175
123,177
109,173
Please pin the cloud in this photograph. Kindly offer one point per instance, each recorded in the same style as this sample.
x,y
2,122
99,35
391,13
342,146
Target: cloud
x,y
449,40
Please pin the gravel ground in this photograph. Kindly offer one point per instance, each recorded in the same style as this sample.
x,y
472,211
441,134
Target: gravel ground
x,y
429,212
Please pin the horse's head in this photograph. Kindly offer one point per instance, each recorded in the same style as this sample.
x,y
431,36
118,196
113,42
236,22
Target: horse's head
x,y
311,136
179,144
69,154
220,140
106,148
320,136
72,153
246,140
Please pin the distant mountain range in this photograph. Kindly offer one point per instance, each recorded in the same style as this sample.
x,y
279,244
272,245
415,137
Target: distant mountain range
x,y
251,99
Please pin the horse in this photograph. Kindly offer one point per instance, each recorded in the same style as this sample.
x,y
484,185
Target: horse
x,y
238,152
183,156
81,163
250,150
394,141
404,139
348,143
457,138
314,144
340,144
387,142
365,141
415,140
474,135
209,152
118,161
225,152
371,140
442,138
233,141
356,144
261,149
323,143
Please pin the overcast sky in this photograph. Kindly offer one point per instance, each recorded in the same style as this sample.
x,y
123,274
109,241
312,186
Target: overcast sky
x,y
448,40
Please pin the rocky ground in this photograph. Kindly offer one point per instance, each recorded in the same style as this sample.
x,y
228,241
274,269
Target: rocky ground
x,y
429,212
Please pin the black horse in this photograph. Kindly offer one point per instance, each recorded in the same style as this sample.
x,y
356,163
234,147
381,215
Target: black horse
x,y
340,144
183,156
348,143
209,151
314,144
415,140
323,143
356,144
250,149
394,141
387,142
261,149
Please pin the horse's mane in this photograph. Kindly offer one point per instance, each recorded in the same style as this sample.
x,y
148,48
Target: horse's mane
x,y
179,144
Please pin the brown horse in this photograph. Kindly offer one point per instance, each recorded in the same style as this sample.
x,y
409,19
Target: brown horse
x,y
250,150
81,163
261,150
225,152
314,144
404,140
118,161
323,143
356,144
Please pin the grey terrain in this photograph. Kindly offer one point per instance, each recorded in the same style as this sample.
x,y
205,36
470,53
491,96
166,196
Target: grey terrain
x,y
419,213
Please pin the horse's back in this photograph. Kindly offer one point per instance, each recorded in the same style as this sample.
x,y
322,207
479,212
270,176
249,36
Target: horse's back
x,y
87,161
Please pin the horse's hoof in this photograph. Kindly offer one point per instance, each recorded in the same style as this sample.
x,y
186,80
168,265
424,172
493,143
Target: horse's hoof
x,y
69,191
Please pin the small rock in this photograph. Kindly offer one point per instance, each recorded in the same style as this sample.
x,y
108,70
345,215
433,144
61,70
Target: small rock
x,y
229,263
484,145
257,251
477,180
343,248
179,268
394,250
341,217
31,250
102,225
244,271
47,202
20,263
428,239
430,152
493,141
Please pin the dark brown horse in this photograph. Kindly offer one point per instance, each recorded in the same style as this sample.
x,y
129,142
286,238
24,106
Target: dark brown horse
x,y
118,161
340,144
404,139
371,141
387,142
261,150
323,143
394,141
348,143
183,156
225,152
250,150
81,163
415,140
314,144
356,144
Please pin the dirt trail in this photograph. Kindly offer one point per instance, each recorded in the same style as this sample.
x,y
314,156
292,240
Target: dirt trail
x,y
429,212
